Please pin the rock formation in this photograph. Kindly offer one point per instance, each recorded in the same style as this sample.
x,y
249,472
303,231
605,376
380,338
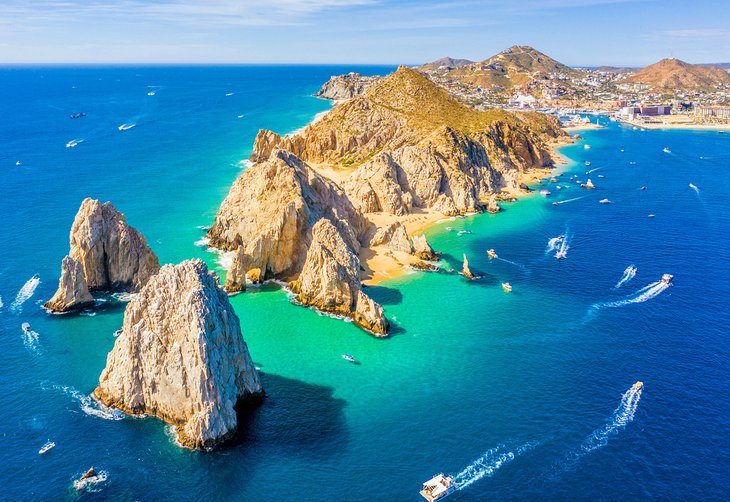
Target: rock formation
x,y
346,86
269,213
465,270
409,144
492,206
181,357
330,280
394,236
113,256
422,249
72,293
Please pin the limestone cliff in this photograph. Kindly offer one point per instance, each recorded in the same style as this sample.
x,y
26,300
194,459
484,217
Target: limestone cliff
x,y
330,280
346,86
422,249
112,255
72,293
181,357
270,210
394,236
409,144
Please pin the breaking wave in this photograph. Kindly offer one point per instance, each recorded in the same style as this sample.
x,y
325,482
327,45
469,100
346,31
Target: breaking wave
x,y
488,464
87,403
628,274
25,293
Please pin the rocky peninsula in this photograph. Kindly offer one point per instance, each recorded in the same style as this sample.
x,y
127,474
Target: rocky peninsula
x,y
181,357
346,86
106,254
349,191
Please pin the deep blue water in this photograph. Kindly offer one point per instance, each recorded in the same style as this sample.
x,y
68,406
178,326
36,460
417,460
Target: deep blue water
x,y
527,382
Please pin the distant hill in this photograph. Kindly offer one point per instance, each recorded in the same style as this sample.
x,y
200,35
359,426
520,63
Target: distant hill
x,y
724,66
616,69
447,63
672,74
514,66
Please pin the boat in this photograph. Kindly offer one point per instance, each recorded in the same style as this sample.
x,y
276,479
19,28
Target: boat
x,y
643,187
229,94
18,163
46,447
438,487
492,254
544,192
72,143
587,163
558,187
77,115
693,186
126,127
348,357
604,201
638,385
651,215
462,232
622,150
151,93
667,150
507,287
667,278
587,147
26,327
588,184
553,180
555,203
448,229
559,255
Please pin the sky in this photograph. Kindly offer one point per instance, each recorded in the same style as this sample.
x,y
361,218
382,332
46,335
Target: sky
x,y
575,32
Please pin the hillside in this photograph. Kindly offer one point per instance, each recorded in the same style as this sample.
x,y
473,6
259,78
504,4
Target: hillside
x,y
674,74
515,66
446,63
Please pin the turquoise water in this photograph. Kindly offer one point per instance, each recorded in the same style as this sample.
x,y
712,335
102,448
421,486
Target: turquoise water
x,y
519,395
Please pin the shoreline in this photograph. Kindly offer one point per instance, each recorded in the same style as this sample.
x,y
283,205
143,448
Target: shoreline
x,y
654,126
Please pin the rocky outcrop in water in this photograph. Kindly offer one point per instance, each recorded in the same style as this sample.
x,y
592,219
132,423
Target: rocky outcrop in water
x,y
369,315
112,255
346,86
422,249
466,272
181,357
72,293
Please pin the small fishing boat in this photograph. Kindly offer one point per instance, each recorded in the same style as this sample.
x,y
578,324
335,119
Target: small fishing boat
x,y
693,186
604,201
492,253
651,215
438,488
544,192
46,447
638,385
667,278
151,93
643,188
507,287
18,163
77,115
348,357
667,150
26,327
587,163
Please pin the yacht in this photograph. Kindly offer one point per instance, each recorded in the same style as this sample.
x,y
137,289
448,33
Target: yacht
x,y
588,184
667,150
604,201
667,278
438,487
544,192
492,253
18,163
46,447
348,357
587,147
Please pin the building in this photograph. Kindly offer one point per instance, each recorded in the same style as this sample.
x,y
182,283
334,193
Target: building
x,y
655,109
524,101
720,112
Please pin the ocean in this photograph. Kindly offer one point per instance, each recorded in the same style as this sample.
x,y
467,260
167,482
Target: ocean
x,y
521,395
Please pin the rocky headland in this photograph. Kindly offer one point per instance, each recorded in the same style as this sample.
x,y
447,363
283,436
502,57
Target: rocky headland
x,y
181,357
343,200
106,254
347,86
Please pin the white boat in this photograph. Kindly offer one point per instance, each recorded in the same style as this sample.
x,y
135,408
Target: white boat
x,y
72,143
126,127
229,94
667,278
46,447
492,253
559,255
604,201
588,184
667,150
507,287
151,93
438,487
18,163
587,147
348,357
462,232
650,216
601,176
693,186
26,327
544,192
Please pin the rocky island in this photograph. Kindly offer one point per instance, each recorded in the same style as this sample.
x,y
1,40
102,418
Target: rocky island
x,y
338,202
106,254
181,357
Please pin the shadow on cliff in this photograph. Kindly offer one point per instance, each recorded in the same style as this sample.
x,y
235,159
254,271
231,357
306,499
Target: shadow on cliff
x,y
384,295
294,418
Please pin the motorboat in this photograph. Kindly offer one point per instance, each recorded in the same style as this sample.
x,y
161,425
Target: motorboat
x,y
604,201
587,163
448,229
693,186
553,180
544,192
151,93
651,215
667,150
560,255
18,163
462,232
126,127
638,385
507,287
587,147
588,184
77,115
492,253
46,447
26,327
348,357
643,188
438,487
667,278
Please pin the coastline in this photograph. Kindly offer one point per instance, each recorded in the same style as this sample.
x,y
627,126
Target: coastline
x,y
676,124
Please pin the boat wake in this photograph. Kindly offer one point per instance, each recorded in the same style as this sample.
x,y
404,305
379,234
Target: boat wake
x,y
596,169
31,340
1,302
88,484
629,274
554,243
126,127
88,404
644,294
622,416
558,202
488,464
74,142
514,263
694,187
25,293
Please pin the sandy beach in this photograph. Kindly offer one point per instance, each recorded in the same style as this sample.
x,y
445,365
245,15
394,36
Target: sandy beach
x,y
676,122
